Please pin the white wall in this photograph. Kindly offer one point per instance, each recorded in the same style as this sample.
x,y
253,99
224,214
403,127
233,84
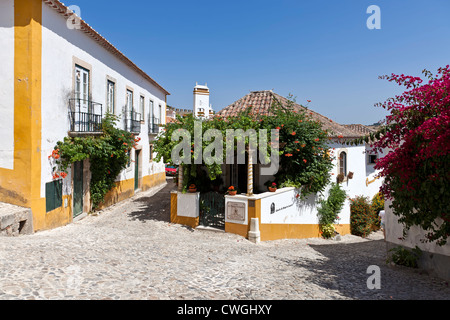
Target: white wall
x,y
394,231
60,46
7,84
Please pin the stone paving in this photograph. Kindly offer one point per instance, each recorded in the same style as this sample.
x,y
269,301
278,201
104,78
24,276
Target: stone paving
x,y
131,252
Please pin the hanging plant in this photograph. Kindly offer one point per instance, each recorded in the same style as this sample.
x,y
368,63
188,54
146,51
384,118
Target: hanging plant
x,y
108,155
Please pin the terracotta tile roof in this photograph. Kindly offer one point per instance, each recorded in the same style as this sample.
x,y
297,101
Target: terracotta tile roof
x,y
261,101
63,10
364,130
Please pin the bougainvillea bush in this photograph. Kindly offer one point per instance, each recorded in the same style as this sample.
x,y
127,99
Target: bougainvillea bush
x,y
416,169
362,217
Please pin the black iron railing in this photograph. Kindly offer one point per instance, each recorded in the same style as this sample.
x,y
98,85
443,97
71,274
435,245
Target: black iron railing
x,y
85,116
133,122
153,125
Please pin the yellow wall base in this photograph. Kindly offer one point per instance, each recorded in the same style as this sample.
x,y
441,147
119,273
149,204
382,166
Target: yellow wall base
x,y
174,218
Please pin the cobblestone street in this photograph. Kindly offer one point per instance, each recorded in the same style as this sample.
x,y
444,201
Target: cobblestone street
x,y
131,251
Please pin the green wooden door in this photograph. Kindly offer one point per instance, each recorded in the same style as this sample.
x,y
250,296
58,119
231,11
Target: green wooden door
x,y
77,189
136,170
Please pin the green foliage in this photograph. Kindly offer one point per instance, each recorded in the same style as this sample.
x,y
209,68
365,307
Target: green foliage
x,y
377,206
108,156
404,257
329,210
304,155
362,217
305,162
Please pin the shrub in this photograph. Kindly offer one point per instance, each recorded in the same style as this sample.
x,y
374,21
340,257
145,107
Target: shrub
x,y
362,217
405,257
329,210
377,206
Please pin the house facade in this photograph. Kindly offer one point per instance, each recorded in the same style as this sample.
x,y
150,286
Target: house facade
x,y
59,78
281,214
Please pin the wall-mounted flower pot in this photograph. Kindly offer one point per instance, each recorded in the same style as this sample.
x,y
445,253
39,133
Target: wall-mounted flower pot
x,y
350,175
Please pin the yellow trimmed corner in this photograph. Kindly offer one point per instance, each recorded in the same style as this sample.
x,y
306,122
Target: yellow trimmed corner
x,y
153,180
239,229
22,185
125,189
174,218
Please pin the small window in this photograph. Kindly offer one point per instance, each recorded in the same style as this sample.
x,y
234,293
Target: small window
x,y
151,153
343,163
129,158
373,158
142,107
53,195
110,101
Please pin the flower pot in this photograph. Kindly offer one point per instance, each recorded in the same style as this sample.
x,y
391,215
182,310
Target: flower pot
x,y
192,190
272,189
232,193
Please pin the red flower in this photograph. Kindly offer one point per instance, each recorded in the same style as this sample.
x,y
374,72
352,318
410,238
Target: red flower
x,y
63,175
293,133
304,160
278,128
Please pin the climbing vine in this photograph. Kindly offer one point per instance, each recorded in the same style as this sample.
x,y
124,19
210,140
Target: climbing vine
x,y
108,155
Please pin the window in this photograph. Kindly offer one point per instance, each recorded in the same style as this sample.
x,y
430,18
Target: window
x,y
82,89
151,153
129,106
343,163
110,100
373,158
129,158
152,112
142,108
53,195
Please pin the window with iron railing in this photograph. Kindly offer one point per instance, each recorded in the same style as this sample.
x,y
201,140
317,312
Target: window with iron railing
x,y
85,116
153,125
133,122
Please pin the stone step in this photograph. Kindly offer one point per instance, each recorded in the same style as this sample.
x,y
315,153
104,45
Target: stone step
x,y
15,220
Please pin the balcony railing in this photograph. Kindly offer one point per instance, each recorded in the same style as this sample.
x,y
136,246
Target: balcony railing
x,y
153,125
133,122
85,116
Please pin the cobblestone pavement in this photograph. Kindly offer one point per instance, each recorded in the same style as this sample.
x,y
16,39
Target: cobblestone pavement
x,y
130,251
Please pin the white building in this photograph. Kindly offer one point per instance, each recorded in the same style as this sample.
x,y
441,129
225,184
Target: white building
x,y
202,107
59,79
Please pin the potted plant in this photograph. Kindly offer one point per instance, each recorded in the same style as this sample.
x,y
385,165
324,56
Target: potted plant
x,y
232,191
340,178
192,188
273,187
350,175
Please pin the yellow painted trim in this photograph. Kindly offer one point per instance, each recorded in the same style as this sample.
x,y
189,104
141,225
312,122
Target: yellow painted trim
x,y
239,229
22,185
125,189
295,231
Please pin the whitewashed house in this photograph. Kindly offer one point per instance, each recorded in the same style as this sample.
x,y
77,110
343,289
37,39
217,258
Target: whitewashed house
x,y
281,215
58,78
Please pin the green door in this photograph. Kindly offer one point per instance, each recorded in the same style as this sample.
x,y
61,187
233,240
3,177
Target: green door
x,y
77,189
136,170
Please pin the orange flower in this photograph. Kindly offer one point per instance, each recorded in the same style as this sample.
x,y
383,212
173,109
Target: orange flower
x,y
304,160
63,175
293,133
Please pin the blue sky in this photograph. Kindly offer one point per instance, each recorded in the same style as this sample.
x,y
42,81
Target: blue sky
x,y
317,50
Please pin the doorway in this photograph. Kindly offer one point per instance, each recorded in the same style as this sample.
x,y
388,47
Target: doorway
x,y
77,189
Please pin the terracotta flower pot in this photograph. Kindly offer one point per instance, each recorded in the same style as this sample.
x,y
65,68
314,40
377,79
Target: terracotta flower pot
x,y
272,189
192,190
232,193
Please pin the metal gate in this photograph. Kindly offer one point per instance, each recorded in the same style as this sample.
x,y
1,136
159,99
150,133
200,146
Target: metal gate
x,y
212,210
